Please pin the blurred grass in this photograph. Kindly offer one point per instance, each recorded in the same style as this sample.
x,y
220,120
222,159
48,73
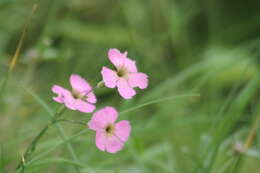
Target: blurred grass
x,y
210,48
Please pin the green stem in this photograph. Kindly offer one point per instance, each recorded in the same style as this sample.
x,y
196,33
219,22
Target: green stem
x,y
35,141
4,83
247,145
73,122
237,164
2,159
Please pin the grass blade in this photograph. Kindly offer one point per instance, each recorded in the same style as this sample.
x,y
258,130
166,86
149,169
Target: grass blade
x,y
82,132
60,128
58,160
17,51
2,165
158,101
229,122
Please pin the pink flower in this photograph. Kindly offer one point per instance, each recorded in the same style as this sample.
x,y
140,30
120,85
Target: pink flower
x,y
126,76
81,97
110,136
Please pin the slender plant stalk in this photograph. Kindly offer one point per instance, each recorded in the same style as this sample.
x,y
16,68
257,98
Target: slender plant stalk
x,y
17,51
72,122
35,141
59,127
252,134
247,145
2,159
228,123
55,119
4,83
158,101
68,140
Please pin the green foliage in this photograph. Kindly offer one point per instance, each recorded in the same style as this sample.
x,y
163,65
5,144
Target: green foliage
x,y
202,58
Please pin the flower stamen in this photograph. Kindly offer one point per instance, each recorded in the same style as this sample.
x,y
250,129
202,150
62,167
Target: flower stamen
x,y
110,129
77,95
122,72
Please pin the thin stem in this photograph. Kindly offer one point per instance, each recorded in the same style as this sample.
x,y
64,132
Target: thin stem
x,y
4,84
99,85
55,119
17,51
35,141
72,122
252,134
57,125
68,140
237,164
2,159
247,145
158,101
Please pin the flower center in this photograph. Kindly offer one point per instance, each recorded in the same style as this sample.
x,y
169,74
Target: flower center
x,y
77,95
110,129
122,72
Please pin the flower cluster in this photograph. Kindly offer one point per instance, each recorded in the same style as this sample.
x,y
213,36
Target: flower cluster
x,y
110,136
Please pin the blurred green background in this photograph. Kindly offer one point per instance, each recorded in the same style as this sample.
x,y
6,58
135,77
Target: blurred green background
x,y
187,47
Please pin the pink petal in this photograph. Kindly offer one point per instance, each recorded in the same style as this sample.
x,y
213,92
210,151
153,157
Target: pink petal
x,y
102,118
61,93
130,65
91,98
110,114
123,129
64,96
69,102
79,84
98,121
83,106
138,80
116,57
101,140
109,77
113,144
124,89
